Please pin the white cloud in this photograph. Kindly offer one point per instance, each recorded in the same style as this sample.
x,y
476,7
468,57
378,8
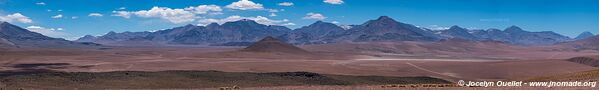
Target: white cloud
x,y
258,19
272,15
272,10
16,17
95,15
40,3
122,8
123,14
57,16
437,27
333,1
288,24
173,15
204,9
169,14
245,5
74,17
345,27
52,32
315,16
335,22
286,4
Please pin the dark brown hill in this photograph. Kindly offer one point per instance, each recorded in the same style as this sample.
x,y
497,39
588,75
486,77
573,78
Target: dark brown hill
x,y
272,45
591,61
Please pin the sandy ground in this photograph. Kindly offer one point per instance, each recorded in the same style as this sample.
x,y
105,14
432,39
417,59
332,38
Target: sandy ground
x,y
382,88
227,59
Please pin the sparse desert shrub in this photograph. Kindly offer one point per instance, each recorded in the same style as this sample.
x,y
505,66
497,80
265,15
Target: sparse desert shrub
x,y
236,87
225,88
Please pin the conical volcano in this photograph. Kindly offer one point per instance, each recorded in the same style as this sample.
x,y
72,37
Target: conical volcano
x,y
271,44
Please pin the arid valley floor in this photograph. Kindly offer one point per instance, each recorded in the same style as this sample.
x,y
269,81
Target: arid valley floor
x,y
356,59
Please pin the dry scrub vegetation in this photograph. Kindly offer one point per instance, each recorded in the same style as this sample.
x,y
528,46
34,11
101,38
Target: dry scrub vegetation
x,y
190,79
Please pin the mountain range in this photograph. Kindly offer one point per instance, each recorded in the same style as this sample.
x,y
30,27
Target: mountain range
x,y
516,35
582,44
245,32
382,29
15,36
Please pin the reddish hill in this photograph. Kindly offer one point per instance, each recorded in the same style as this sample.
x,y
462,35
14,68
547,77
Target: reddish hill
x,y
271,44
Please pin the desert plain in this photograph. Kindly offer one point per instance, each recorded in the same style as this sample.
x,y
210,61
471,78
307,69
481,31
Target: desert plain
x,y
486,61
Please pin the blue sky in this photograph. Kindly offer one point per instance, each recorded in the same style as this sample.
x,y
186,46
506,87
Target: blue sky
x,y
71,19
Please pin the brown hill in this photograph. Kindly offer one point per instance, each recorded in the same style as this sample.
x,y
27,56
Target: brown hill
x,y
273,45
591,61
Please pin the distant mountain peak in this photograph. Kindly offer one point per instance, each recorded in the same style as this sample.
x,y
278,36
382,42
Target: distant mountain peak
x,y
319,28
14,30
456,27
381,21
111,33
5,24
247,21
23,37
458,32
385,19
87,38
212,25
514,28
588,33
494,30
319,23
584,35
242,22
189,25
